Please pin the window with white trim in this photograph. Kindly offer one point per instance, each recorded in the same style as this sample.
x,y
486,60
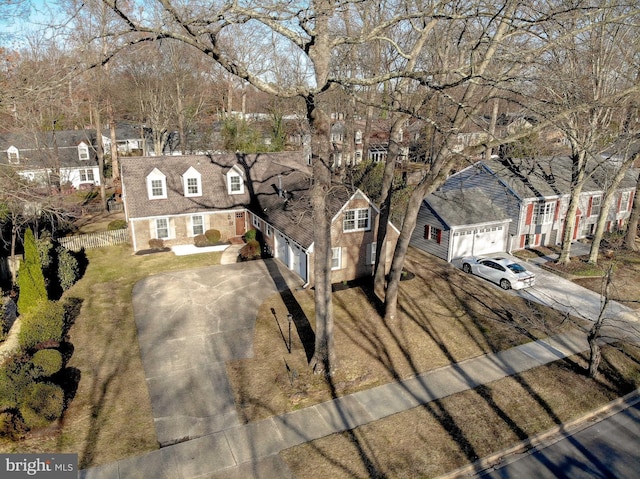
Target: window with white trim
x,y
624,200
86,175
197,225
156,185
544,213
14,155
269,231
596,203
235,185
357,220
192,183
255,221
83,152
336,258
162,228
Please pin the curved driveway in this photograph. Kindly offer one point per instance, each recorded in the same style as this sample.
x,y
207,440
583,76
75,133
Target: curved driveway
x,y
189,324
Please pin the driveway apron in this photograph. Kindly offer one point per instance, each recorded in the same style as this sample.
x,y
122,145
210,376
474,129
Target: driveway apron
x,y
189,324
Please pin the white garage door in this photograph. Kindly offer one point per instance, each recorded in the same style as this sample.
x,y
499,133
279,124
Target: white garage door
x,y
478,241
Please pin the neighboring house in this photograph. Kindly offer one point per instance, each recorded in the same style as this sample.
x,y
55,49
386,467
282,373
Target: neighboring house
x,y
56,158
377,144
505,205
179,197
130,140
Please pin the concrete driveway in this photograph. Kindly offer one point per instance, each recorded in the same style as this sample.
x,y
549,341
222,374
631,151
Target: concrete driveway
x,y
189,324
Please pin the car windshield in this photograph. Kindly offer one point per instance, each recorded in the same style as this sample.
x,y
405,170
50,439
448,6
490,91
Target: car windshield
x,y
516,268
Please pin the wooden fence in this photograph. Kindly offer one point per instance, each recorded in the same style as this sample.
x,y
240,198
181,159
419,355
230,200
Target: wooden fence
x,y
95,240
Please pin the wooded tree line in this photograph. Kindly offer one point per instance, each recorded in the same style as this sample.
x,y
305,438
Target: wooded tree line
x,y
572,65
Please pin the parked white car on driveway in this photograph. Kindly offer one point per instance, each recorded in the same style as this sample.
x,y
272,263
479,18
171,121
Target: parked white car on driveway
x,y
503,271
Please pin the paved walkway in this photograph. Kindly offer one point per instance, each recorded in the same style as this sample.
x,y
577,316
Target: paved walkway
x,y
250,451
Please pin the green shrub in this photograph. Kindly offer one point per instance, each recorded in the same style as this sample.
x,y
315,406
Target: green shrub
x,y
68,270
156,243
250,251
117,225
30,277
213,236
46,362
41,404
250,235
42,323
14,378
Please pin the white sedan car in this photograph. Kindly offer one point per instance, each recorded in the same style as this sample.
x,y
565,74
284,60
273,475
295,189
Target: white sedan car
x,y
503,271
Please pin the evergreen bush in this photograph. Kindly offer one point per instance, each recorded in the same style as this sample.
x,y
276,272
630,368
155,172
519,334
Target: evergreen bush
x,y
42,323
41,404
46,362
213,236
250,235
68,270
30,277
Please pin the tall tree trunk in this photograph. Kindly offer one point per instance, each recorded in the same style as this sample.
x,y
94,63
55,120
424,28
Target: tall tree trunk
x,y
385,204
100,154
115,164
181,132
607,202
632,224
594,333
577,181
323,360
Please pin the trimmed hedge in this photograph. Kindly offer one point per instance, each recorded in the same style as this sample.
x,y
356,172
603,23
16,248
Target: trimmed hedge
x,y
42,403
46,362
30,276
213,236
68,269
250,235
155,243
42,323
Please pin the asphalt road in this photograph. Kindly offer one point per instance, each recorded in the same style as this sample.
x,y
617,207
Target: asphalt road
x,y
608,448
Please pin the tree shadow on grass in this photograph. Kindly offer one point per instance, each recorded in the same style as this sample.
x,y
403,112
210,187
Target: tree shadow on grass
x,y
298,317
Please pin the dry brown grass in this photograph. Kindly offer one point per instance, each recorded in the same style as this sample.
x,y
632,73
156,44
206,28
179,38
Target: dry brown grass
x,y
446,316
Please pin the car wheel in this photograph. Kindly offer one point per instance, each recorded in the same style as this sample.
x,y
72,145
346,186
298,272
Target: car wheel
x,y
466,268
505,284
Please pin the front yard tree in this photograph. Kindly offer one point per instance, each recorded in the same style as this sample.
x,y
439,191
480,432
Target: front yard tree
x,y
30,277
584,82
631,236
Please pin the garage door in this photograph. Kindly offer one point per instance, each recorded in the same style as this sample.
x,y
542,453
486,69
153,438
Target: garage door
x,y
478,241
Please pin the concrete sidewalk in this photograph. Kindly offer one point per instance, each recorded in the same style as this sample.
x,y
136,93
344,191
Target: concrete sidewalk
x,y
251,450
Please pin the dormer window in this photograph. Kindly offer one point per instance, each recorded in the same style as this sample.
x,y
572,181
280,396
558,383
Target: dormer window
x,y
156,185
192,182
235,181
83,152
14,155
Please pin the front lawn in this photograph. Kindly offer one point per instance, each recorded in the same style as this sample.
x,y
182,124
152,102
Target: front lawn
x,y
445,316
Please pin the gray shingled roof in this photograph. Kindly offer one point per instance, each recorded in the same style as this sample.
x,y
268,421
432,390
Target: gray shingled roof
x,y
460,207
38,151
265,174
538,177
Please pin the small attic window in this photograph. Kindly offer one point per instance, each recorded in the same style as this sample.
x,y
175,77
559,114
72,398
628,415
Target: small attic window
x,y
156,185
14,155
192,182
235,182
83,152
